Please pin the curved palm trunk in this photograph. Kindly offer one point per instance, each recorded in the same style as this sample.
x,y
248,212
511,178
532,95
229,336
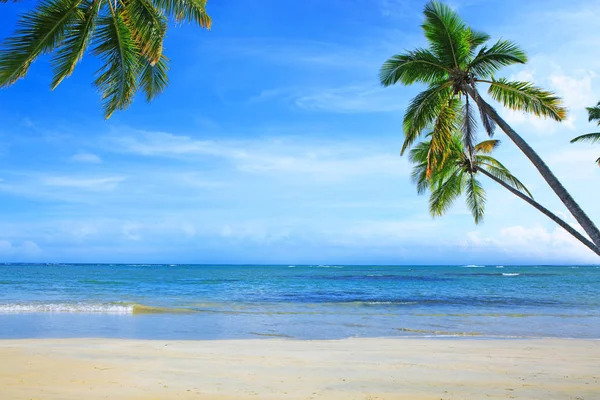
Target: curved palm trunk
x,y
544,211
581,217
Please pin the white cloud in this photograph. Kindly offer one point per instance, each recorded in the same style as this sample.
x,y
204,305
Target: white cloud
x,y
537,243
92,184
274,156
26,248
351,99
85,157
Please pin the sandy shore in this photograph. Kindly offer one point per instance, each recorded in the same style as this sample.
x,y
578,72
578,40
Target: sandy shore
x,y
365,369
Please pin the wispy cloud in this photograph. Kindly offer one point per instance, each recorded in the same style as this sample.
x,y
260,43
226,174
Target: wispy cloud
x,y
93,184
279,155
85,157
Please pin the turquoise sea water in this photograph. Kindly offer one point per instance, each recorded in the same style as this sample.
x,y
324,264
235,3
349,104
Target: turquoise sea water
x,y
304,302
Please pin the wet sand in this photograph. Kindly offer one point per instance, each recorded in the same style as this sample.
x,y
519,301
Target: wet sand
x,y
361,369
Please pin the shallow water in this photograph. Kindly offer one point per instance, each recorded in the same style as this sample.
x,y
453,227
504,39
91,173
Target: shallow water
x,y
304,302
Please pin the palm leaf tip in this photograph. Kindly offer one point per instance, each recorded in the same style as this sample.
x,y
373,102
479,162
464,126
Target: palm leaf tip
x,y
446,33
524,96
38,32
490,60
414,66
589,137
117,78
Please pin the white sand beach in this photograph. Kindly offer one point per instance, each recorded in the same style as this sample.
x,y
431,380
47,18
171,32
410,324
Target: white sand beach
x,y
365,369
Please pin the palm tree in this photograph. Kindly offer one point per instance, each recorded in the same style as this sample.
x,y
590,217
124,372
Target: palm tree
x,y
594,115
456,62
456,174
127,36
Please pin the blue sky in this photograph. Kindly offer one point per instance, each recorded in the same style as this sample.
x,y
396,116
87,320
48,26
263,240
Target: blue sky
x,y
275,144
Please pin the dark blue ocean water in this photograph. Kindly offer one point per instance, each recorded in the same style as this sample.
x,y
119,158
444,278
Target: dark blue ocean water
x,y
304,302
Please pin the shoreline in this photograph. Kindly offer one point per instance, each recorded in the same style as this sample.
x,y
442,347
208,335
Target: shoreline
x,y
355,368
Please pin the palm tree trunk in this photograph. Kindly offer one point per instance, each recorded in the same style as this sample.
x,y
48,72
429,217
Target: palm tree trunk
x,y
544,211
586,223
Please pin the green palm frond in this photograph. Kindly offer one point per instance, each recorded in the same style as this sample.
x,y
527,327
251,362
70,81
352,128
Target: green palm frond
x,y
38,32
186,10
490,60
419,178
589,137
443,196
148,26
127,36
524,96
422,111
117,78
414,66
487,146
475,198
497,169
447,122
447,34
486,120
476,39
153,78
76,41
441,179
594,113
469,127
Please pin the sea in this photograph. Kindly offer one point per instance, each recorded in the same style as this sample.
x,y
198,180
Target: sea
x,y
190,302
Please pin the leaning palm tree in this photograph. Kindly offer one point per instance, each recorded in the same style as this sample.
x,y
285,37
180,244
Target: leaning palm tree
x,y
455,64
127,36
594,115
457,172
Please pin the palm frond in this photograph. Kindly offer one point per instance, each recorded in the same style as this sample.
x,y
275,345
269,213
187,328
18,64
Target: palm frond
x,y
487,146
495,168
153,77
594,113
422,111
476,39
447,34
148,26
475,198
76,41
38,32
488,123
419,177
414,66
117,78
524,96
501,54
446,124
589,137
469,127
444,195
186,10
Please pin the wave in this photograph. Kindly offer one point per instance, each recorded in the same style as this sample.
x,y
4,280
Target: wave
x,y
473,266
439,333
511,274
89,308
500,266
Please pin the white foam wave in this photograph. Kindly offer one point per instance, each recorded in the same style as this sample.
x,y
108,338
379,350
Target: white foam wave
x,y
500,266
90,308
511,274
473,266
